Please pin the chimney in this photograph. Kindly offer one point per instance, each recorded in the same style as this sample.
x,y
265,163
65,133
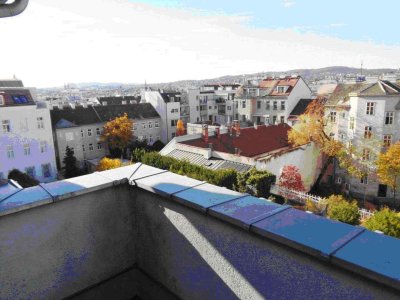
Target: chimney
x,y
236,125
217,132
210,146
205,133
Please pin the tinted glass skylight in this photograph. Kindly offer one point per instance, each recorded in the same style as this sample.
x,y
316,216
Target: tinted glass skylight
x,y
20,99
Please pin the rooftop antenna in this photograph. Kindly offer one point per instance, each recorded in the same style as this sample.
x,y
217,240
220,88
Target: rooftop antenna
x,y
361,67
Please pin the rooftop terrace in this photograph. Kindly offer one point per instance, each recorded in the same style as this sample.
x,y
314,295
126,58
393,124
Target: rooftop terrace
x,y
139,231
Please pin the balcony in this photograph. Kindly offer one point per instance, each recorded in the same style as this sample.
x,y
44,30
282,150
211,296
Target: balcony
x,y
143,232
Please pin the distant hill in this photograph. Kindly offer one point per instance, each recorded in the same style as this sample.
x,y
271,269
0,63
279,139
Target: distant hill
x,y
308,74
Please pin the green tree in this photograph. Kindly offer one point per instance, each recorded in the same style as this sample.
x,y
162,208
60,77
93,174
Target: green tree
x,y
23,179
70,168
385,220
344,211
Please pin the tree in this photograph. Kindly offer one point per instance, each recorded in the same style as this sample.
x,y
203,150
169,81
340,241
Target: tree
x,y
157,146
23,179
70,164
310,128
359,160
290,178
180,128
108,164
385,220
118,134
388,167
344,211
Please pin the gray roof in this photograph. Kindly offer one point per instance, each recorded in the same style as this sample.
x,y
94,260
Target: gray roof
x,y
211,163
300,107
11,83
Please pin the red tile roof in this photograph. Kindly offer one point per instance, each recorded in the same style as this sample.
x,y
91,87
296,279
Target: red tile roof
x,y
251,142
272,83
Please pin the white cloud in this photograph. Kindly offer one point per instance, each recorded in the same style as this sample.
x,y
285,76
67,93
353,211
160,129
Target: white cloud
x,y
288,3
54,42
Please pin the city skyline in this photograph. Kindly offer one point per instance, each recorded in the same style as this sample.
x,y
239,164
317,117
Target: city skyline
x,y
56,42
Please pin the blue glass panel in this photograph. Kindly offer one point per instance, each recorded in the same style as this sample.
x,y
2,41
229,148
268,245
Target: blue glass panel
x,y
307,232
24,197
20,99
167,183
245,211
375,252
206,195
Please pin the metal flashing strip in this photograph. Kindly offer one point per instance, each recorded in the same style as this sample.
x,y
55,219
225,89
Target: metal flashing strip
x,y
12,194
40,184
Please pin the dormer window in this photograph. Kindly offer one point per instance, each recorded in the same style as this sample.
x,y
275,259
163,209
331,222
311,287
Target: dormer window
x,y
123,102
280,89
104,103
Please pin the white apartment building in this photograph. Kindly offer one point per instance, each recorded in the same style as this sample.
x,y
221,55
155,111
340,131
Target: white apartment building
x,y
271,100
210,103
167,105
80,128
359,112
26,140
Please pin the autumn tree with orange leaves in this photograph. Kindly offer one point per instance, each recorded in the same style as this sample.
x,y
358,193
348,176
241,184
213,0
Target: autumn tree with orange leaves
x,y
118,133
180,128
388,167
310,128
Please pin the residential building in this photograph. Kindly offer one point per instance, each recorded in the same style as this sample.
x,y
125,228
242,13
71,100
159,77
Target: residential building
x,y
80,128
263,147
358,113
271,100
167,105
118,100
26,140
209,103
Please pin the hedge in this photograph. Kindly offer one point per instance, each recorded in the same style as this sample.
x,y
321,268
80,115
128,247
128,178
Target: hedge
x,y
385,220
254,182
342,210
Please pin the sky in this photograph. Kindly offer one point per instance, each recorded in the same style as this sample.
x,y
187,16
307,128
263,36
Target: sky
x,y
56,41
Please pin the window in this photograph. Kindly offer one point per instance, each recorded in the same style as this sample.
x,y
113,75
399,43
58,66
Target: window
x,y
90,147
10,151
156,125
150,125
282,105
123,102
83,148
339,180
382,190
20,99
365,155
43,147
98,131
99,146
268,105
134,126
387,140
280,89
364,180
174,110
266,120
370,108
46,170
157,138
145,137
343,115
173,134
197,108
30,171
1,175
104,103
174,122
89,132
389,117
210,107
229,107
275,103
243,104
27,149
215,107
332,116
258,104
1,100
367,132
236,104
351,124
143,125
81,132
40,122
150,138
274,120
6,126
282,119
